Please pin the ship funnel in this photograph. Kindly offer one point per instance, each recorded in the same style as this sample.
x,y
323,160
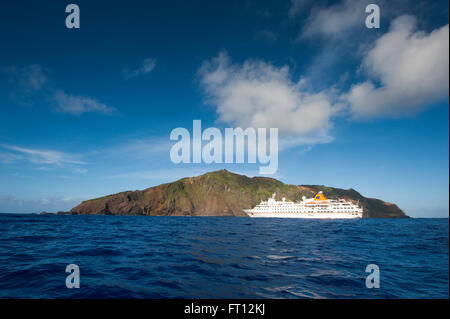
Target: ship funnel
x,y
273,195
320,196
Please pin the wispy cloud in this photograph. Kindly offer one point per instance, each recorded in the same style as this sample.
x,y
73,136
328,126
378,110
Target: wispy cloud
x,y
31,82
297,6
267,36
42,157
169,174
146,67
146,149
25,82
334,20
12,204
29,78
77,105
8,158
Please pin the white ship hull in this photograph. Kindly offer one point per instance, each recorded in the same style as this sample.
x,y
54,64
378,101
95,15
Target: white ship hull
x,y
318,207
304,215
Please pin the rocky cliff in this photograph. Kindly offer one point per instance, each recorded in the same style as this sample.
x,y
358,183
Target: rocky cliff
x,y
219,193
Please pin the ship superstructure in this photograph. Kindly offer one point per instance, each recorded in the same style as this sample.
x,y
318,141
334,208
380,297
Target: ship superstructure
x,y
317,207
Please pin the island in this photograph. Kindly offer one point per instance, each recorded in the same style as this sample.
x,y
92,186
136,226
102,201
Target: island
x,y
220,193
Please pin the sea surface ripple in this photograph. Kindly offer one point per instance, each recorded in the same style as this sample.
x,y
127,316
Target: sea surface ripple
x,y
221,257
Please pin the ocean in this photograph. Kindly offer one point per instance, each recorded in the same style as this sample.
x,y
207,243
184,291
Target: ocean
x,y
221,257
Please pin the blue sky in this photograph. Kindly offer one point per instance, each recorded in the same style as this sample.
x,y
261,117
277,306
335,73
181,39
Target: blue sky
x,y
88,112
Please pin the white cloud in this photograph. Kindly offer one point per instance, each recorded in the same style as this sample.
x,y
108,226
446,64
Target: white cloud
x,y
258,94
333,20
408,70
47,157
78,105
146,67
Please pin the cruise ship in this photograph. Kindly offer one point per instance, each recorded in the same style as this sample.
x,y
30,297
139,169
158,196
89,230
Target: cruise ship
x,y
317,207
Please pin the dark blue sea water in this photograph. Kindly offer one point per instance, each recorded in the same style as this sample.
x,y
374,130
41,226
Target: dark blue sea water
x,y
200,257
